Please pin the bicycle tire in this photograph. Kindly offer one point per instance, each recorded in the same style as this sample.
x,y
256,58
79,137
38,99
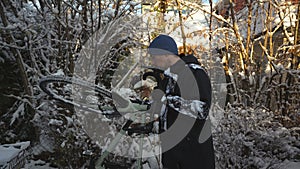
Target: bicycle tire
x,y
45,83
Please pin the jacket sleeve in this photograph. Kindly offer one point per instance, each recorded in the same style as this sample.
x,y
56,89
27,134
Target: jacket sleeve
x,y
193,108
204,86
195,97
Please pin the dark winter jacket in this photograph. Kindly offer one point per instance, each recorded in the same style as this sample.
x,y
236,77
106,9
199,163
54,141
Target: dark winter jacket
x,y
181,143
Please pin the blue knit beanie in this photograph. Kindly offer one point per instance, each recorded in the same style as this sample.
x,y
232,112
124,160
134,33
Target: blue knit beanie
x,y
163,45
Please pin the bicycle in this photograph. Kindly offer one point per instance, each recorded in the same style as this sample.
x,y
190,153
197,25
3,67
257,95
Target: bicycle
x,y
96,99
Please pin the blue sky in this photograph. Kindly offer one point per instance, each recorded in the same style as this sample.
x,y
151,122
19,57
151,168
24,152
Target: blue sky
x,y
206,1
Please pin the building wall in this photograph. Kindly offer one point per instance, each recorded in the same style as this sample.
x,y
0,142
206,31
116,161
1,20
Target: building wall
x,y
239,5
223,5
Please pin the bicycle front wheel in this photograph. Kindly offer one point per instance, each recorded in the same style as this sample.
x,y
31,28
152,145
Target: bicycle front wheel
x,y
78,93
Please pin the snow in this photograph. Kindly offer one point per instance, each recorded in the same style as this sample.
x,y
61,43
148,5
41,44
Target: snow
x,y
252,138
70,121
19,112
8,154
55,10
46,142
38,164
287,164
59,73
55,122
290,165
10,151
2,60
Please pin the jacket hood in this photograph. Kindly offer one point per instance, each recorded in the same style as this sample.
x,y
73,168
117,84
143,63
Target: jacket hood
x,y
189,59
184,60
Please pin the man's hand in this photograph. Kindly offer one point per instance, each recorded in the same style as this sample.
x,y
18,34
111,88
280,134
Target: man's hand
x,y
159,76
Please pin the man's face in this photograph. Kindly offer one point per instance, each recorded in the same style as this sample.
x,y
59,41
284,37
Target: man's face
x,y
161,61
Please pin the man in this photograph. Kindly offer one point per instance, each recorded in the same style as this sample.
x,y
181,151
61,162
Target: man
x,y
184,91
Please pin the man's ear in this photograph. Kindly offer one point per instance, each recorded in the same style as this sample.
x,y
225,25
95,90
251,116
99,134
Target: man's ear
x,y
172,58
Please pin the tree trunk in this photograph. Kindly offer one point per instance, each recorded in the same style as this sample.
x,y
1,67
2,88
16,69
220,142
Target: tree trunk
x,y
10,40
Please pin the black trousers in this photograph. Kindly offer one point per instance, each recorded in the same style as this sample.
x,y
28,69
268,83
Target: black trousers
x,y
190,154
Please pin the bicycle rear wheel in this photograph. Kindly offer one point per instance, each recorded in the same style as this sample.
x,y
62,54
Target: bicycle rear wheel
x,y
78,93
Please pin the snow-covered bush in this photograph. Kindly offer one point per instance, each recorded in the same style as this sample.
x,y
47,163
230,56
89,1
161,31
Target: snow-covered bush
x,y
252,138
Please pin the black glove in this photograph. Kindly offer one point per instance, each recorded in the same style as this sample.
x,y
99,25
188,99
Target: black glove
x,y
140,128
160,77
155,72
